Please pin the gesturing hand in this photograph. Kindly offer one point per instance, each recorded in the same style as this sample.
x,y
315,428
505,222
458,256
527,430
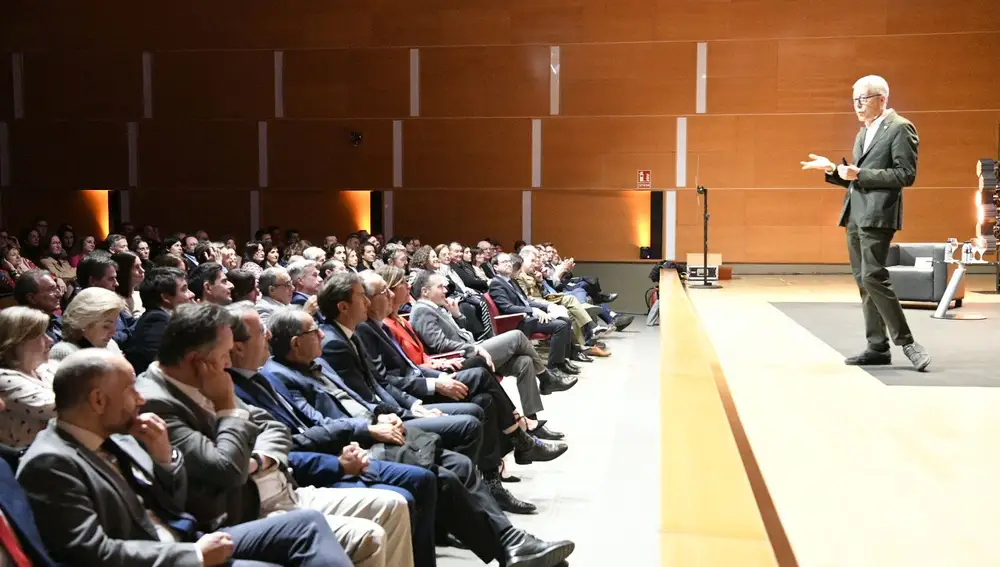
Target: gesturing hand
x,y
152,431
817,162
848,172
216,548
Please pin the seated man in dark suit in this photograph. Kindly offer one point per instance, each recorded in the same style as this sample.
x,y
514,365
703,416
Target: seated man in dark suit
x,y
106,487
501,428
323,454
161,291
20,543
510,299
343,303
465,507
238,457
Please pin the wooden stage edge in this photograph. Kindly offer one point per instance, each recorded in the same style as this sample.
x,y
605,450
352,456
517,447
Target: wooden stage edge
x,y
715,507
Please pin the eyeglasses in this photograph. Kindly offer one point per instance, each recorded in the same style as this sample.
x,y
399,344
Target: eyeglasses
x,y
864,98
306,332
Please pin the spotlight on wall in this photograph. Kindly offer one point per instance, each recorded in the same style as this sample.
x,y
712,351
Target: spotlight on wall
x,y
356,139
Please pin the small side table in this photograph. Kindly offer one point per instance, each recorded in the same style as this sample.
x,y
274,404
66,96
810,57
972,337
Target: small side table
x,y
949,293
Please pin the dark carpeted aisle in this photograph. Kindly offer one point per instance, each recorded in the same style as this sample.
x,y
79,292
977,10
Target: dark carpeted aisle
x,y
965,353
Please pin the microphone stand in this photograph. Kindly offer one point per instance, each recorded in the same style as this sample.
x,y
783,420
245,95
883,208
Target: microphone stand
x,y
705,284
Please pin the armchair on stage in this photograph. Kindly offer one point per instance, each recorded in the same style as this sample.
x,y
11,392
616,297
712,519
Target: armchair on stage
x,y
919,272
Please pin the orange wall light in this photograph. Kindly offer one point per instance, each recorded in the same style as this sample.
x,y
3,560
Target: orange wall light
x,y
360,206
638,208
97,205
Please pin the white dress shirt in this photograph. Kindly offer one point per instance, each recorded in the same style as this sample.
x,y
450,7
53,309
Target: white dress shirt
x,y
872,129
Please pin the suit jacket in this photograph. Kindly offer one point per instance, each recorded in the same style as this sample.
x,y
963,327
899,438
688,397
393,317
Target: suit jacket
x,y
17,511
469,277
265,306
508,297
315,404
144,345
439,331
875,198
87,513
391,363
357,372
217,452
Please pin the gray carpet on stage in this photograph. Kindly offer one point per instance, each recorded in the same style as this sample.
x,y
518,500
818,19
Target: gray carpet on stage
x,y
964,352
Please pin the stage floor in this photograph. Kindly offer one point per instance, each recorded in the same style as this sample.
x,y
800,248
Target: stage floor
x,y
883,468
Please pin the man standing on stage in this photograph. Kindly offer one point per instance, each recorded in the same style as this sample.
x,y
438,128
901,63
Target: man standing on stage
x,y
884,161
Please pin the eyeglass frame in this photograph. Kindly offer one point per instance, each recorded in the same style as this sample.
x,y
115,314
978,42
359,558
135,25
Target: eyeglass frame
x,y
863,99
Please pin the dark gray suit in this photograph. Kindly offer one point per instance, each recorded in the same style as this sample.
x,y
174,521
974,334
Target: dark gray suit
x,y
872,213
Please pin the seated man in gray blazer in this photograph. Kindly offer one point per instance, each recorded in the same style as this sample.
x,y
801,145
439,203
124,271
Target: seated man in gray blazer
x,y
106,487
510,353
237,455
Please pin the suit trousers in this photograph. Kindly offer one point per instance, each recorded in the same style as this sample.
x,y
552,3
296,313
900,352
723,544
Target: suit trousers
x,y
466,509
489,396
373,526
513,355
560,332
462,433
419,487
868,249
300,538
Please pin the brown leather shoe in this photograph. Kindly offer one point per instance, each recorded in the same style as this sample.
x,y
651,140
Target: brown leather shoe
x,y
598,351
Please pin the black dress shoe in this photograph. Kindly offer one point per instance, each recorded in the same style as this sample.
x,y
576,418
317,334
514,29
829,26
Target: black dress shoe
x,y
507,501
623,321
522,549
869,358
543,432
553,384
608,297
539,452
510,479
568,368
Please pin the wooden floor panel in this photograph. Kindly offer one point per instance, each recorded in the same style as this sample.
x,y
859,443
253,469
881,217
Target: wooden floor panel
x,y
861,474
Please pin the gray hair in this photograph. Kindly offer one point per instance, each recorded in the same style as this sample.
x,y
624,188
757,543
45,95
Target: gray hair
x,y
368,279
873,84
528,251
297,270
285,324
240,309
79,373
268,279
312,253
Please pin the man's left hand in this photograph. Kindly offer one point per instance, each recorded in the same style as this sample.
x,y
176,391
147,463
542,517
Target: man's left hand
x,y
848,172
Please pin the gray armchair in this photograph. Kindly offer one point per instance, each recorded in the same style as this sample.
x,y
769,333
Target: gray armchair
x,y
921,283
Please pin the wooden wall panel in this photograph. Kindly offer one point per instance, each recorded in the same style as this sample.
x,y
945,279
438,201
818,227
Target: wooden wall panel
x,y
628,78
315,213
23,205
82,85
219,211
481,153
6,88
68,155
928,16
951,144
807,18
198,154
742,77
592,226
933,215
485,81
347,83
607,152
213,84
313,154
439,216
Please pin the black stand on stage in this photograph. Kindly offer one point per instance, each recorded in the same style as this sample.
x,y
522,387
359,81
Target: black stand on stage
x,y
705,284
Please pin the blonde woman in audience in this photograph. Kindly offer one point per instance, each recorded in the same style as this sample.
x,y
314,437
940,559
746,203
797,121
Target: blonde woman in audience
x,y
55,260
89,321
352,260
88,246
25,379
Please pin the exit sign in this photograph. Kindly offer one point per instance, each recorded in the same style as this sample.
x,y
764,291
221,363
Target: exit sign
x,y
643,179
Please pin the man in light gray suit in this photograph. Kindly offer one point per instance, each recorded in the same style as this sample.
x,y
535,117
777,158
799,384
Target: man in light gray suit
x,y
885,161
106,487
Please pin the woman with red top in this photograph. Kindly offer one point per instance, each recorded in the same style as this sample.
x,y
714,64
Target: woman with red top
x,y
88,246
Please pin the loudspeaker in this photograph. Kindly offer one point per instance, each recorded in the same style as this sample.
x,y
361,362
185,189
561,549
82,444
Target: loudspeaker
x,y
655,227
645,253
377,220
